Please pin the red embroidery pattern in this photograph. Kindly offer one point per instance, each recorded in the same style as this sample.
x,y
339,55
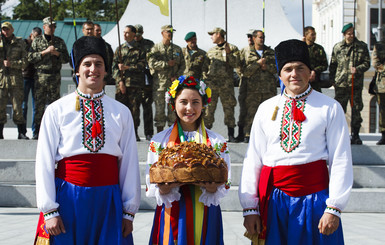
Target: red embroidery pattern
x,y
290,128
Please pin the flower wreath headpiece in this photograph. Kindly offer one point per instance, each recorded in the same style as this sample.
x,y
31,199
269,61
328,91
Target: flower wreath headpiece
x,y
188,82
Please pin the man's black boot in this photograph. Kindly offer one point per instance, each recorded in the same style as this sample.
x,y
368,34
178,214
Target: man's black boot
x,y
241,135
382,140
1,131
355,138
136,134
21,135
231,135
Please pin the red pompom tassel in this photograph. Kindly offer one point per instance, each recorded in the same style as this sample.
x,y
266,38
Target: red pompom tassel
x,y
96,129
298,115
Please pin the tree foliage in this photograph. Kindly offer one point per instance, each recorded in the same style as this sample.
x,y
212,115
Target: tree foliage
x,y
95,10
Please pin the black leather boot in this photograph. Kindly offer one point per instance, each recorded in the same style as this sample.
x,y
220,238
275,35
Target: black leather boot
x,y
1,131
355,138
241,135
21,135
382,140
231,135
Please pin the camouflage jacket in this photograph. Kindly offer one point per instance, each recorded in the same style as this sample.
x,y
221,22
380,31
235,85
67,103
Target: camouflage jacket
x,y
261,81
342,60
222,65
110,56
318,60
48,62
146,44
196,63
158,58
15,52
135,58
378,61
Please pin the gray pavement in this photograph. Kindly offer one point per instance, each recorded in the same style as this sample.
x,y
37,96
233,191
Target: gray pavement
x,y
18,227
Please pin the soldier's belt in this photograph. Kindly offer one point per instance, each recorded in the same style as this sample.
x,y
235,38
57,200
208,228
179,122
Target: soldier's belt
x,y
47,71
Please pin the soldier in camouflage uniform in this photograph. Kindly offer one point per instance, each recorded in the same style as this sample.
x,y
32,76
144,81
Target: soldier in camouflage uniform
x,y
196,60
166,64
260,71
242,91
342,68
378,61
224,58
108,79
318,60
146,98
128,66
13,60
48,53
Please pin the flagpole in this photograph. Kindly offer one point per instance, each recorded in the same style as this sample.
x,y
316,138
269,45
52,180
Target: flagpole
x,y
119,47
227,35
74,21
303,18
263,16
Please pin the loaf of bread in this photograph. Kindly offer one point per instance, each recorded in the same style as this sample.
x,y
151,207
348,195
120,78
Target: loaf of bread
x,y
189,162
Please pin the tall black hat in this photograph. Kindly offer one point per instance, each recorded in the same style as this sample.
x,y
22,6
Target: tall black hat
x,y
87,45
291,50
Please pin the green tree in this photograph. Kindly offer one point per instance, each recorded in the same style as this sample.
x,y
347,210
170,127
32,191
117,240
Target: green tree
x,y
95,10
26,10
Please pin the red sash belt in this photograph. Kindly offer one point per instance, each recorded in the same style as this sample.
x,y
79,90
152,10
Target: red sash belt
x,y
295,181
89,170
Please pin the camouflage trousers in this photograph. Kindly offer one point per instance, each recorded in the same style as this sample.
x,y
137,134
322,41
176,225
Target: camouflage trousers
x,y
146,102
252,102
223,89
343,96
381,104
47,90
159,90
241,101
133,98
15,94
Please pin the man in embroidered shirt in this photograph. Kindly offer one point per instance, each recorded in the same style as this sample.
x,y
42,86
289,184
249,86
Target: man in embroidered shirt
x,y
94,193
285,188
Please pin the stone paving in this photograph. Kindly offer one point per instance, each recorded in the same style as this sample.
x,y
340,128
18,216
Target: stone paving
x,y
18,227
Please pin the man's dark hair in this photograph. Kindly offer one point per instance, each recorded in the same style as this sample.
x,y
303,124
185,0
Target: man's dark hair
x,y
88,23
132,28
307,29
96,24
37,30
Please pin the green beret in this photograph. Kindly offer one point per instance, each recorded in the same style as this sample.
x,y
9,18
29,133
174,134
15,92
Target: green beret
x,y
190,35
347,27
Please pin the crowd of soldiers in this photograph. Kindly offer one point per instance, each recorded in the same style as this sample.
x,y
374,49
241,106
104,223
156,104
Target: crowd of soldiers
x,y
142,71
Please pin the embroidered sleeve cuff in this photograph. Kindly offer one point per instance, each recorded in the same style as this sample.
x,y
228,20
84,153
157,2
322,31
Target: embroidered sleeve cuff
x,y
129,216
51,214
208,198
167,199
333,210
250,211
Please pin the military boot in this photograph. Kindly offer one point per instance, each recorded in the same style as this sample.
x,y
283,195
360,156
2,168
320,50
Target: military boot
x,y
241,135
1,131
382,140
231,135
355,138
21,135
136,135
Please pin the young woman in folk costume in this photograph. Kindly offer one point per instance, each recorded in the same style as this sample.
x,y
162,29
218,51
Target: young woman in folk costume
x,y
187,213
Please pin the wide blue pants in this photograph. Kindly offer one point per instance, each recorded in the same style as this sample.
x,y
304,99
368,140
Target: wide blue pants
x,y
294,220
91,215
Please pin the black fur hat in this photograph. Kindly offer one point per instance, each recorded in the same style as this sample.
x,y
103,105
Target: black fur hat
x,y
85,46
291,50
